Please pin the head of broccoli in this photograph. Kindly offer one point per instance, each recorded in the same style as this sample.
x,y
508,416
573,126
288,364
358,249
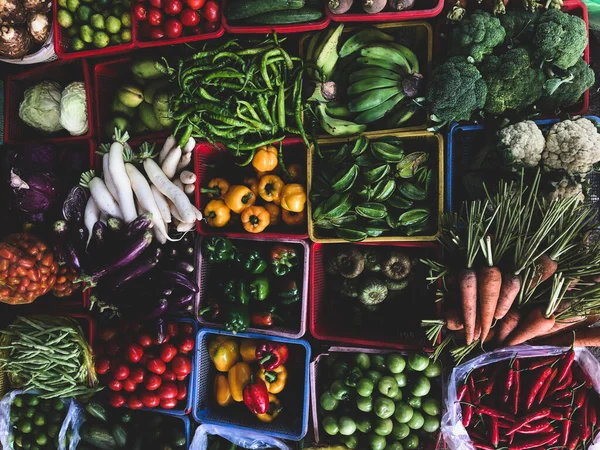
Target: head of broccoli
x,y
455,91
565,89
513,81
519,25
477,35
560,38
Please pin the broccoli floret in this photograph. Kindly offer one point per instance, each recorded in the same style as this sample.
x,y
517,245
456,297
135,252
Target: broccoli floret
x,y
512,80
456,90
519,26
560,38
566,89
477,35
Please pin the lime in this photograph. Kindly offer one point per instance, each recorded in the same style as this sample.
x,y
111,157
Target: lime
x,y
77,44
346,425
26,426
64,18
41,439
30,412
363,361
115,39
53,430
388,386
378,362
353,376
14,416
350,441
364,404
363,425
97,21
84,12
395,363
340,369
26,444
339,390
72,5
86,33
113,24
431,424
411,442
126,19
384,407
401,379
73,31
126,35
62,3
330,425
101,39
374,375
433,370
377,442
39,420
403,412
18,401
415,402
19,441
417,420
383,427
328,403
431,406
400,431
398,396
395,446
418,362
365,387
421,387
59,405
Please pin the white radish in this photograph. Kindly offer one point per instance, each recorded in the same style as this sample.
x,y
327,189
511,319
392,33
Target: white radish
x,y
91,215
187,177
185,161
185,226
179,184
103,199
197,212
189,146
175,212
144,196
189,189
104,218
160,237
169,190
170,142
162,203
169,165
108,178
116,167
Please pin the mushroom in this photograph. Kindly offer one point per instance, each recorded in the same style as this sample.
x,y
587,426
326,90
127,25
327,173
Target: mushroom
x,y
38,26
11,12
15,41
37,5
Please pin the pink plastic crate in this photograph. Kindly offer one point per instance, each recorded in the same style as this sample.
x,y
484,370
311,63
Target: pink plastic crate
x,y
143,42
211,161
63,72
427,9
203,269
407,334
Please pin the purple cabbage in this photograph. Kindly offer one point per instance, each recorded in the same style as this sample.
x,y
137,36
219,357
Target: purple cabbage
x,y
38,157
33,193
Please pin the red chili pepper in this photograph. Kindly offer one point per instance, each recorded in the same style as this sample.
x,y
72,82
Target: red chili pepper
x,y
256,396
460,395
472,389
510,376
543,362
565,367
537,385
536,441
562,404
494,434
537,415
565,431
517,388
579,397
467,410
555,415
487,411
536,428
560,396
544,390
503,424
592,415
572,445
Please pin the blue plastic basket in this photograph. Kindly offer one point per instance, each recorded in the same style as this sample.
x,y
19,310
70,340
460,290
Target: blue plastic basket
x,y
187,425
291,424
462,144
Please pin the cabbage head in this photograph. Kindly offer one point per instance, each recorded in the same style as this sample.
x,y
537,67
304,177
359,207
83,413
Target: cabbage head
x,y
73,109
40,107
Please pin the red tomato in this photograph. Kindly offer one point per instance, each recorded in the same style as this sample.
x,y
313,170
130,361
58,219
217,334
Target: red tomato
x,y
112,348
116,400
168,352
186,345
211,11
188,328
155,18
181,391
210,27
107,334
181,365
129,385
135,352
172,8
137,375
134,402
157,366
168,403
167,338
172,327
195,4
153,382
150,400
173,28
145,340
115,385
139,12
182,377
157,3
168,390
102,366
169,376
120,372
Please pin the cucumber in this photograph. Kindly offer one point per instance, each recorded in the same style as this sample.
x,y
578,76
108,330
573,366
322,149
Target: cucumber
x,y
99,437
98,411
119,434
284,17
242,9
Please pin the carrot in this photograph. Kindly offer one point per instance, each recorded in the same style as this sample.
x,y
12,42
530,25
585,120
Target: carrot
x,y
570,324
545,267
468,290
477,328
586,337
489,282
511,285
533,325
506,326
454,320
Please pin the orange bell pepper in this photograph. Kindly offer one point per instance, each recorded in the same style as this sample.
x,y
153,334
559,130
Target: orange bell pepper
x,y
238,198
265,159
238,377
275,378
217,213
216,188
273,412
274,212
255,219
293,197
269,188
293,219
248,350
221,390
223,352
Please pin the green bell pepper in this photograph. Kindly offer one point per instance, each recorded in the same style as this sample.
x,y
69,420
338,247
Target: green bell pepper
x,y
283,259
237,318
289,293
218,249
236,291
259,289
252,262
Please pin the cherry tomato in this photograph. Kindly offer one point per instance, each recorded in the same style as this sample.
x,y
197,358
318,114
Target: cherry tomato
x,y
120,372
189,18
153,382
186,345
188,328
129,385
134,352
150,400
139,12
115,385
181,377
107,334
181,391
210,27
157,366
172,8
211,11
172,327
157,3
145,340
137,375
173,29
168,403
195,4
181,366
155,18
116,400
102,366
169,376
112,348
134,402
168,390
168,352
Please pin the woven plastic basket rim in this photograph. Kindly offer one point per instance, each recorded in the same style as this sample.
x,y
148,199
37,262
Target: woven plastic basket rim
x,y
45,54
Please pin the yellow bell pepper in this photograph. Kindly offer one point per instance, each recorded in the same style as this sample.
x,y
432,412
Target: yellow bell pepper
x,y
239,198
293,197
252,183
223,352
255,219
274,379
269,188
274,212
248,350
238,377
217,213
217,187
265,159
273,412
221,390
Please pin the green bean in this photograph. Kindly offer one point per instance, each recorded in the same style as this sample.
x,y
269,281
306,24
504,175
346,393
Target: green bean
x,y
255,51
228,55
281,107
262,107
250,109
205,95
229,73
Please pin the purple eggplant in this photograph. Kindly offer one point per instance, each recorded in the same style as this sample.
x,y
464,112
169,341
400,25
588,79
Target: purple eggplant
x,y
74,205
73,257
155,310
115,225
184,267
167,292
79,238
60,228
160,332
181,302
171,252
99,233
178,279
133,271
138,226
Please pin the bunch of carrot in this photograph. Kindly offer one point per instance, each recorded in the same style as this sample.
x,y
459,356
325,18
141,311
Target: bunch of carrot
x,y
530,403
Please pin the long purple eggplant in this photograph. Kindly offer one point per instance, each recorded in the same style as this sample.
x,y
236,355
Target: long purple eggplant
x,y
73,256
181,302
133,271
115,225
178,279
60,230
160,332
155,310
138,226
74,205
185,267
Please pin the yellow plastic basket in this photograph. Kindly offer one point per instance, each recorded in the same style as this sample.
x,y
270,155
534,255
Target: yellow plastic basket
x,y
430,142
418,36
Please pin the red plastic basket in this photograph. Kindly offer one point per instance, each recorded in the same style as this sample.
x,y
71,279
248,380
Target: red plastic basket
x,y
406,334
62,41
63,72
266,29
434,7
142,43
211,161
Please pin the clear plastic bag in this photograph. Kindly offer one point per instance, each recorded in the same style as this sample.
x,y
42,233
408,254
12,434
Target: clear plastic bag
x,y
454,432
71,423
244,439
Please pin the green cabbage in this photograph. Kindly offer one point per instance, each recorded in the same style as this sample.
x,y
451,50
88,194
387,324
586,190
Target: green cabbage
x,y
40,107
73,109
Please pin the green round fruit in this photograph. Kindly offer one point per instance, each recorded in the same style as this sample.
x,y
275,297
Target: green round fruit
x,y
26,426
64,18
378,363
41,439
400,431
398,396
401,379
384,407
431,406
72,5
363,425
328,403
353,376
388,386
431,424
29,412
117,10
395,446
126,19
433,370
364,404
126,35
411,442
84,12
113,24
395,363
18,401
73,31
115,39
418,362
365,387
350,441
363,361
77,44
340,369
339,390
346,425
59,405
415,402
330,425
403,412
101,39
53,430
86,33
421,386
374,375
377,442
383,427
97,21
416,421
62,3
39,420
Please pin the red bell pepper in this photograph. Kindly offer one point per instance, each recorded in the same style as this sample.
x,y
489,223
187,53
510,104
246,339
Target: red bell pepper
x,y
256,396
271,355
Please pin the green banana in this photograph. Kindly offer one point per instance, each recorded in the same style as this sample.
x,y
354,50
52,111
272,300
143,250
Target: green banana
x,y
379,111
339,111
386,53
363,38
409,55
338,127
312,44
327,56
371,99
369,84
360,145
344,180
373,72
383,63
401,116
386,152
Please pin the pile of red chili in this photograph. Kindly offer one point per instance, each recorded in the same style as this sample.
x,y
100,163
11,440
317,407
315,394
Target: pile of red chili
x,y
530,403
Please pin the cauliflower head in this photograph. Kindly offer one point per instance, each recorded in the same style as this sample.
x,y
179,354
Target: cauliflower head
x,y
477,35
567,188
522,143
573,146
560,37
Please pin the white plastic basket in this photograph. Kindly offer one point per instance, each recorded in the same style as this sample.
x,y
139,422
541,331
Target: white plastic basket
x,y
44,54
